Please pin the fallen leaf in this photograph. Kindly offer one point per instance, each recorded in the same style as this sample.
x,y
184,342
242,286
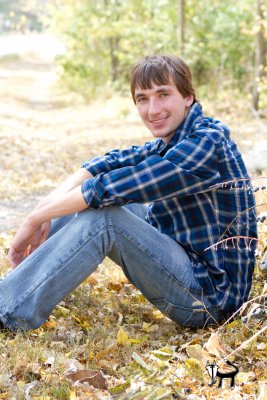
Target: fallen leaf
x,y
115,286
195,351
149,327
214,347
73,395
51,324
139,361
261,346
91,280
122,338
72,365
120,388
94,378
50,360
194,368
164,353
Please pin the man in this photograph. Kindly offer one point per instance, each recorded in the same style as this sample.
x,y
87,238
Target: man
x,y
163,247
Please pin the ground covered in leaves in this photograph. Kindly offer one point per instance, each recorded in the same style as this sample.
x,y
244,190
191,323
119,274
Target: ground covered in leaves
x,y
105,341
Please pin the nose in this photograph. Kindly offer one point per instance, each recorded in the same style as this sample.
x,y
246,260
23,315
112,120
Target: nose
x,y
154,107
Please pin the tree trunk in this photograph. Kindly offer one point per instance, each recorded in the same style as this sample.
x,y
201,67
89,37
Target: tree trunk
x,y
260,55
113,47
181,26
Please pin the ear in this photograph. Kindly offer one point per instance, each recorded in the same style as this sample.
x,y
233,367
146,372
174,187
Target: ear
x,y
189,100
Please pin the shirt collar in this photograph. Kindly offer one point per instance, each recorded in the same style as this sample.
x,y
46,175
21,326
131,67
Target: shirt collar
x,y
186,126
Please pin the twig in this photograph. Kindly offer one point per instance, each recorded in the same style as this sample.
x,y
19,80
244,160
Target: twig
x,y
233,181
242,307
238,215
232,238
244,344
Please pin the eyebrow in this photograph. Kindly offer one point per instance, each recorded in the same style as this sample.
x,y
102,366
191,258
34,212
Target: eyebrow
x,y
160,90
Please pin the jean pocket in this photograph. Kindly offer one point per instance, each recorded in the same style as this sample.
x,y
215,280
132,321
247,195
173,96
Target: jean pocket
x,y
197,317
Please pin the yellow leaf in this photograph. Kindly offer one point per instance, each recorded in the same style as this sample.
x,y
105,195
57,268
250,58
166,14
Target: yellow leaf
x,y
20,385
62,311
72,395
135,341
148,327
141,362
163,353
77,319
81,322
120,388
122,338
195,369
51,324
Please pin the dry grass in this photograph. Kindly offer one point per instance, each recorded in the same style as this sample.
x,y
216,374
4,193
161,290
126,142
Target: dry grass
x,y
43,141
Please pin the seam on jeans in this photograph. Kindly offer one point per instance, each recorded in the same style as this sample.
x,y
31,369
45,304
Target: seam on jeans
x,y
145,250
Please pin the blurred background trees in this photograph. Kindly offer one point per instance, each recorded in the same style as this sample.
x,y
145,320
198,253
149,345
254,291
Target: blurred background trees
x,y
224,42
21,15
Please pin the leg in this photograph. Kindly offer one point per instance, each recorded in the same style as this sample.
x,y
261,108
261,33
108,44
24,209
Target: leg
x,y
156,264
160,268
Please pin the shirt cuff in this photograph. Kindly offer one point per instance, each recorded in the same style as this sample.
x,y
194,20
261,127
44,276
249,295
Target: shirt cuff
x,y
93,191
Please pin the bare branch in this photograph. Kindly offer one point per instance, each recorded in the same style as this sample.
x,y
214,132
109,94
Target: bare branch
x,y
248,238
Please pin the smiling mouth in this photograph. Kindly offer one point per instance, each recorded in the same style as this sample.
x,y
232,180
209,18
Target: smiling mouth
x,y
158,121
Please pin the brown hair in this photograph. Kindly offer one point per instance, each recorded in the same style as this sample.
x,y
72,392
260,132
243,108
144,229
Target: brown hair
x,y
161,69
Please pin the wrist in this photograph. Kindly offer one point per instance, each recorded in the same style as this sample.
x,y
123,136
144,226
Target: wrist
x,y
34,219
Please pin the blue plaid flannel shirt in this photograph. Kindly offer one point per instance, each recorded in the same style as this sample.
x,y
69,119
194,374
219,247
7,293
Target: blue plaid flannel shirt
x,y
182,181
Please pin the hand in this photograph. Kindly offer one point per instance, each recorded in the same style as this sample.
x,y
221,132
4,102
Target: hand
x,y
28,237
45,230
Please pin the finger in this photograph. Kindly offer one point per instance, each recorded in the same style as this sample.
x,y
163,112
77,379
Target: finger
x,y
32,249
15,257
45,232
44,237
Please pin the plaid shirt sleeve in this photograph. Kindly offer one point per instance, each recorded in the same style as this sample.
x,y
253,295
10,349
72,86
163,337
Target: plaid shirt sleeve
x,y
187,168
117,159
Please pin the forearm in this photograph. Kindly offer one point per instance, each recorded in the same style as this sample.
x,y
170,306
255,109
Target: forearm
x,y
64,204
35,229
70,183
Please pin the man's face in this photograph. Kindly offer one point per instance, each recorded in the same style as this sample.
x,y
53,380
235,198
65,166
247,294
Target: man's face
x,y
162,109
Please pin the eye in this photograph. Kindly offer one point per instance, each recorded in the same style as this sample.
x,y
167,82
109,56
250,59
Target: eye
x,y
141,100
164,94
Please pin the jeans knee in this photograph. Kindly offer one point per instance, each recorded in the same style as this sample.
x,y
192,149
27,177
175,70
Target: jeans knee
x,y
105,216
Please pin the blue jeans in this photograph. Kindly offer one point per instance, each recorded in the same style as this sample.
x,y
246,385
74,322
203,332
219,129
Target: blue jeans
x,y
152,261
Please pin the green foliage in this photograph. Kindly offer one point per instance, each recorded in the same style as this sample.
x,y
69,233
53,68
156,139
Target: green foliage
x,y
104,38
220,42
21,15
